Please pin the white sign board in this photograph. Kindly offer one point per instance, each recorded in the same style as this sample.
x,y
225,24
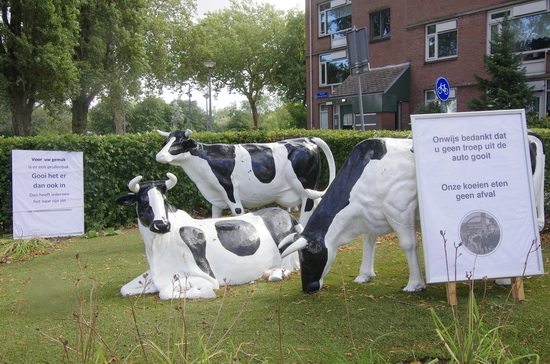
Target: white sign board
x,y
48,193
475,186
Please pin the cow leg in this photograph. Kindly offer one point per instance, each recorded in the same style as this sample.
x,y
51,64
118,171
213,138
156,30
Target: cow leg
x,y
409,244
366,272
216,212
188,288
142,284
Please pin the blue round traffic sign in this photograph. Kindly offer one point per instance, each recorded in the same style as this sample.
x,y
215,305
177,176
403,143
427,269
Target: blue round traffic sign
x,y
442,88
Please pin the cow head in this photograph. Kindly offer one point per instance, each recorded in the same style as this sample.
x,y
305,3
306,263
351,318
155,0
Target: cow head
x,y
152,206
315,260
176,146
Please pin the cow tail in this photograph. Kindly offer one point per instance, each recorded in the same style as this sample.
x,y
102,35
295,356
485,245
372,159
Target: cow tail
x,y
330,158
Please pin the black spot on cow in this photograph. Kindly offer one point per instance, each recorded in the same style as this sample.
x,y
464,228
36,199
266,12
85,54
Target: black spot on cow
x,y
221,159
305,161
337,195
263,164
279,222
533,150
238,237
196,241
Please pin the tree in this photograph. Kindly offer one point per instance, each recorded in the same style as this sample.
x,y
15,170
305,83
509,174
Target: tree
x,y
121,44
187,114
101,119
507,88
291,59
244,41
150,114
239,120
110,42
37,41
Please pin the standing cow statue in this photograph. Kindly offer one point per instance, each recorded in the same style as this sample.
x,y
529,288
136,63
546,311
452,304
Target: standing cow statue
x,y
374,194
238,176
191,258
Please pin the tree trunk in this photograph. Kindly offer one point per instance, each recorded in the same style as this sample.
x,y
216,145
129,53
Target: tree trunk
x,y
120,126
254,109
80,108
21,113
80,116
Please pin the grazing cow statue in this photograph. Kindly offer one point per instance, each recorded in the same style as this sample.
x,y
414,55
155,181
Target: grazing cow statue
x,y
238,176
190,258
373,194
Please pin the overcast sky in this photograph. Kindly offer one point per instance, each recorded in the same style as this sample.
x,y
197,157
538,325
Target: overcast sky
x,y
209,5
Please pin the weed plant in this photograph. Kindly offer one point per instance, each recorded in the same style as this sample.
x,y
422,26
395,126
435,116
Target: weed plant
x,y
471,340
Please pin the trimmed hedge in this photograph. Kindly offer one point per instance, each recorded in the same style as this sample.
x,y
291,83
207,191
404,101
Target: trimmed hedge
x,y
111,161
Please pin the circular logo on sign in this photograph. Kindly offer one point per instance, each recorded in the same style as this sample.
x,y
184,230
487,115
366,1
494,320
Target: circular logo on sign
x,y
480,232
442,88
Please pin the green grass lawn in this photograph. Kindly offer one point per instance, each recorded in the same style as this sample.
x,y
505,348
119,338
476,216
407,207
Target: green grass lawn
x,y
43,297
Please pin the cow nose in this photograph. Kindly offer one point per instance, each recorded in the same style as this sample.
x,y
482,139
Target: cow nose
x,y
311,287
160,226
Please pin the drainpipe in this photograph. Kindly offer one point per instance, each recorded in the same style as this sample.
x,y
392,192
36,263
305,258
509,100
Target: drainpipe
x,y
310,106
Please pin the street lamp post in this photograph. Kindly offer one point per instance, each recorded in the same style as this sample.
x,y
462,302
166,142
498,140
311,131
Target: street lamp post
x,y
209,64
189,106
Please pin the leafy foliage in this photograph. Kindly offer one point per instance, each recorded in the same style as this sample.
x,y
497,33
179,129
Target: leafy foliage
x,y
36,56
244,40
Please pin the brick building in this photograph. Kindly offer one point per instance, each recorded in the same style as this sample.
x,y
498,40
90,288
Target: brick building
x,y
412,43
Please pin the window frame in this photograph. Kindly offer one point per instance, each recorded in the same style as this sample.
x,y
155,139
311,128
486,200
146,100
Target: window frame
x,y
322,11
379,14
494,20
439,29
337,56
451,105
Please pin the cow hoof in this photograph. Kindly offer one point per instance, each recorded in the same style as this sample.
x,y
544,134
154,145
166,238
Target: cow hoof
x,y
276,275
238,211
414,288
364,279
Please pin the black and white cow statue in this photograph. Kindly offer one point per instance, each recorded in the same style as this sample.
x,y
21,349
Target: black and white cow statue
x,y
238,176
191,258
374,194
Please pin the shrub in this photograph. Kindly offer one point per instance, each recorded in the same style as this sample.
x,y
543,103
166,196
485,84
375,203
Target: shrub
x,y
110,161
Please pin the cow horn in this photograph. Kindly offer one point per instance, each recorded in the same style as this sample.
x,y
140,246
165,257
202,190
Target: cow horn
x,y
299,244
163,133
133,184
299,228
188,132
287,240
172,180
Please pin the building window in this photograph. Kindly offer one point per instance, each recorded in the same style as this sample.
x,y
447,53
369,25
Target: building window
x,y
532,31
333,68
323,116
447,106
441,41
380,25
334,19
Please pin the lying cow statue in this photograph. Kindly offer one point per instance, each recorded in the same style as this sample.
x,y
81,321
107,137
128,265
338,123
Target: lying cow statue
x,y
238,176
191,258
374,194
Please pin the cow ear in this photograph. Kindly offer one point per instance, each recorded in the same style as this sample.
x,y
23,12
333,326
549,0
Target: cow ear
x,y
126,200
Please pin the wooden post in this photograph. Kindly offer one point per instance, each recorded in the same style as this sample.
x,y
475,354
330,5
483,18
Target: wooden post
x,y
517,289
451,293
